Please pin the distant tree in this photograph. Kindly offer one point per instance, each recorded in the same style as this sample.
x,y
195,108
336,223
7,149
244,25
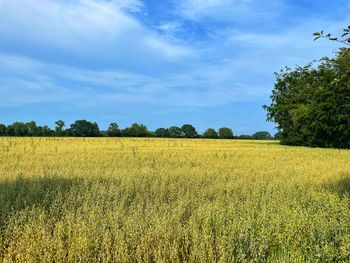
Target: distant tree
x,y
136,130
176,132
44,131
225,133
59,127
162,132
83,128
262,135
245,137
17,129
32,128
210,134
189,131
113,130
2,129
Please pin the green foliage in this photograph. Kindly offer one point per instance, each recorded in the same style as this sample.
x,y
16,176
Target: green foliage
x,y
44,131
262,135
32,128
311,104
176,132
211,134
83,128
59,127
113,130
136,130
189,131
17,129
277,136
162,132
2,129
344,38
225,133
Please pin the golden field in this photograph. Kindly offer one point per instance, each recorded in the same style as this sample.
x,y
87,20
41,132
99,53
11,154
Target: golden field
x,y
172,200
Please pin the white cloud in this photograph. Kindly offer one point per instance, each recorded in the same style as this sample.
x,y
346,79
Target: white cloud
x,y
26,81
102,29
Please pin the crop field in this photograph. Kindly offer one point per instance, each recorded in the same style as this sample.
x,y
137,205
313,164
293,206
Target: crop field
x,y
172,200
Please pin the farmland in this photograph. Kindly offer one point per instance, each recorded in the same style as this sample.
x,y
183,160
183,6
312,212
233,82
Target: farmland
x,y
171,200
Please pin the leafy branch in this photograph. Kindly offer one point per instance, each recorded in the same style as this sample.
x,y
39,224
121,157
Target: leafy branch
x,y
343,39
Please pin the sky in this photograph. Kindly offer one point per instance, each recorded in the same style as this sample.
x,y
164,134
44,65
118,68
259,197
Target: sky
x,y
209,63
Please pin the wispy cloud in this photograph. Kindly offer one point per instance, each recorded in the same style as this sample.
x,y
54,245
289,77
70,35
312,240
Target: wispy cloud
x,y
85,28
26,81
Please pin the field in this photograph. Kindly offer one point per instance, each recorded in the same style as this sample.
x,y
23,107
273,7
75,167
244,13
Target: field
x,y
171,200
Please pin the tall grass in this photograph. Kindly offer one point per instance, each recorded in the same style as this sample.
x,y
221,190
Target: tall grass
x,y
169,200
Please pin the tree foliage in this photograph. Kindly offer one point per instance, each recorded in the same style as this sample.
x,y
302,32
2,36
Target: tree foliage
x,y
210,134
136,130
59,127
311,104
2,129
189,131
113,130
162,132
225,133
344,38
262,135
83,128
176,132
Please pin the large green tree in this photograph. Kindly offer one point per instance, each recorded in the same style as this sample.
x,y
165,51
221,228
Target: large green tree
x,y
210,134
83,128
113,130
59,127
189,131
311,104
225,133
136,130
176,132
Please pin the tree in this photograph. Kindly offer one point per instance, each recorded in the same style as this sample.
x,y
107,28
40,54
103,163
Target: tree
x,y
32,128
210,134
136,130
44,131
262,135
162,132
189,131
2,129
113,130
277,136
59,127
225,133
311,104
343,39
176,132
83,128
17,129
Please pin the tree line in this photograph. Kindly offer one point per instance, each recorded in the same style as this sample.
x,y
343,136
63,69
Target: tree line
x,y
84,128
311,104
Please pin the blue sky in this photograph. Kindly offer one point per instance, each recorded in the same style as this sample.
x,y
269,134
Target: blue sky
x,y
162,63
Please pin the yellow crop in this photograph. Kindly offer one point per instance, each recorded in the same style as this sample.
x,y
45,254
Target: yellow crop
x,y
172,200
